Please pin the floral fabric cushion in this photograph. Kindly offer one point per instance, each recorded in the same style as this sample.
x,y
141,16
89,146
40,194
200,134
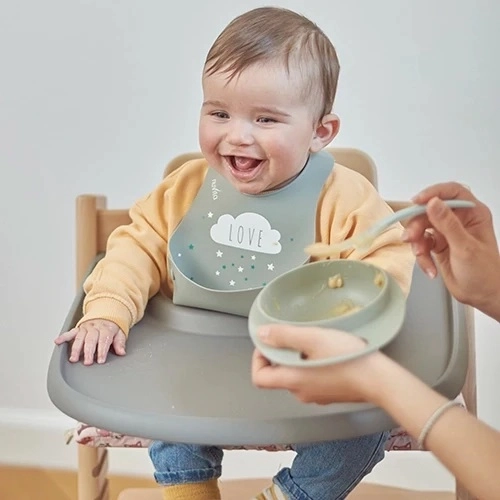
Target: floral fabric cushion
x,y
92,436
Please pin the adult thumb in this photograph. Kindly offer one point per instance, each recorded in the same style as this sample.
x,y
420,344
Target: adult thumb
x,y
290,337
443,219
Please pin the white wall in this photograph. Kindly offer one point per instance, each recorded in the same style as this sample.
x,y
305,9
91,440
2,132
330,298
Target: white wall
x,y
96,95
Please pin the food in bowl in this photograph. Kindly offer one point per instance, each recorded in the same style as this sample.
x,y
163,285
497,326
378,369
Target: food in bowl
x,y
346,306
335,281
379,280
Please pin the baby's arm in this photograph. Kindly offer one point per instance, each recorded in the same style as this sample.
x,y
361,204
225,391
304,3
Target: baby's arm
x,y
134,268
118,289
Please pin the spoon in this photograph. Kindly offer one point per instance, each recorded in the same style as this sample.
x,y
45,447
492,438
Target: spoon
x,y
366,238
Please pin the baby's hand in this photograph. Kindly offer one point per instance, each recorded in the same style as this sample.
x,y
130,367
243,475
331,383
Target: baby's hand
x,y
94,338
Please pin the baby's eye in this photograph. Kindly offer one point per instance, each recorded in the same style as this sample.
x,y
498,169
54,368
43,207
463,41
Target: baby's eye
x,y
220,114
266,119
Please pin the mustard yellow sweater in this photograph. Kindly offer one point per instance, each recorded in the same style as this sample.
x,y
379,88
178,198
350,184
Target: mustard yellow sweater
x,y
135,266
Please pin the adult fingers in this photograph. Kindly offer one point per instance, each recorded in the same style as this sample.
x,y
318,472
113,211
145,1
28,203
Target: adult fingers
x,y
423,236
296,338
422,250
267,376
446,222
259,361
445,191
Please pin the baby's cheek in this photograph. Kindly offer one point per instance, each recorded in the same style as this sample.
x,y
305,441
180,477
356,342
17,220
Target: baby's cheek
x,y
206,139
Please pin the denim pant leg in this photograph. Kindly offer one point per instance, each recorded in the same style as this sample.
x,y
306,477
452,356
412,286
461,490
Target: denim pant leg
x,y
177,463
330,470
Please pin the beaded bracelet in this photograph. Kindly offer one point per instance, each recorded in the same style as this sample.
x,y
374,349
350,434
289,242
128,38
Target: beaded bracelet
x,y
432,420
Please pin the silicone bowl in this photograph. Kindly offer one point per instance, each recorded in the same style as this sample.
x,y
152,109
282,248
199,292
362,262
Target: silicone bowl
x,y
368,303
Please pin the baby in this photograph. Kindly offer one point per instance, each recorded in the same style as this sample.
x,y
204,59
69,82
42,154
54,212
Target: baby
x,y
264,190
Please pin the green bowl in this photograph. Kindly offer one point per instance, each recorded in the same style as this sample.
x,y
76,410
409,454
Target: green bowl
x,y
347,295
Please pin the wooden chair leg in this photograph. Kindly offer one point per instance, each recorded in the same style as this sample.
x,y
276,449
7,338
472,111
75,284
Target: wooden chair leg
x,y
92,473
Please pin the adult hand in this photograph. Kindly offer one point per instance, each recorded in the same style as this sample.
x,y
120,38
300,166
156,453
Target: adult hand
x,y
461,246
347,381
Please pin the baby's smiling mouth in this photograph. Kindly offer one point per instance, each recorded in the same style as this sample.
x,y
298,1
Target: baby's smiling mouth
x,y
243,163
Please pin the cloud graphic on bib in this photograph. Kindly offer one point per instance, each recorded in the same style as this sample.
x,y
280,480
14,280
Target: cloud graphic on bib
x,y
248,231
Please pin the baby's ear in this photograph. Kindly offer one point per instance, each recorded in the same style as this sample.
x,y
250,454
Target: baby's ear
x,y
326,130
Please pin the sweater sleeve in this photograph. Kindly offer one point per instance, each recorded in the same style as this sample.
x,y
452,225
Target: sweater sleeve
x,y
349,204
134,268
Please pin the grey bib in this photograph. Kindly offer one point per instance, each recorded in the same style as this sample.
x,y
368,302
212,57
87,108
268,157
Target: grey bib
x,y
229,244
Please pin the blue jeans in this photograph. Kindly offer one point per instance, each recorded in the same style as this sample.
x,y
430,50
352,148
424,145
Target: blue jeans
x,y
320,471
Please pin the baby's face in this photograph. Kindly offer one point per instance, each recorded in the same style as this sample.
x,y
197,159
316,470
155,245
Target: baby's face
x,y
256,129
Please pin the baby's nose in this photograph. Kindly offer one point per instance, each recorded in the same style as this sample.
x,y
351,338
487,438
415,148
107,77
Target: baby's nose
x,y
240,133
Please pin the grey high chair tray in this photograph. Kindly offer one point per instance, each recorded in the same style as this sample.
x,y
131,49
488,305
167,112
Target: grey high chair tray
x,y
186,377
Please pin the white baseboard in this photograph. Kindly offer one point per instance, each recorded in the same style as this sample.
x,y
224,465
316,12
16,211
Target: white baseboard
x,y
35,438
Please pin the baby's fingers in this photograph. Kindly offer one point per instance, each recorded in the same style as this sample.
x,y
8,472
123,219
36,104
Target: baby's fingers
x,y
103,345
66,336
119,343
90,345
77,346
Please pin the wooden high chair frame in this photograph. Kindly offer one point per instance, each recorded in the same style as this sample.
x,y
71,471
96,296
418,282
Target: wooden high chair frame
x,y
94,224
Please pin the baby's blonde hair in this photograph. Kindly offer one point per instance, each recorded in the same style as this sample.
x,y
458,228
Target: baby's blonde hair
x,y
270,34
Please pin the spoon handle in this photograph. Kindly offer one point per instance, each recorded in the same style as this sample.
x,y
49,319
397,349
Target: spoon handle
x,y
365,238
413,211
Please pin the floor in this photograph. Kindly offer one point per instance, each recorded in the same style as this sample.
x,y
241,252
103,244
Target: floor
x,y
45,484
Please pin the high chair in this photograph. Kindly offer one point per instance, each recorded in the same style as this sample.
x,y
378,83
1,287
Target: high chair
x,y
435,323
